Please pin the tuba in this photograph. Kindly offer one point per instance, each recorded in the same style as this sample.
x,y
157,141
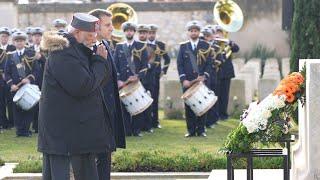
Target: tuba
x,y
230,17
121,13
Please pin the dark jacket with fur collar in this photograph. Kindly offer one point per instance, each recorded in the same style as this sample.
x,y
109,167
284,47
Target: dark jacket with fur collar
x,y
73,118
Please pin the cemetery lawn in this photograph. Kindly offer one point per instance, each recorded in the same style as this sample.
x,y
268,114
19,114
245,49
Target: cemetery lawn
x,y
169,140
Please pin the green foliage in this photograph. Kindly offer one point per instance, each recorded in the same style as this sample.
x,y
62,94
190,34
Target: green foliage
x,y
260,51
29,166
159,161
305,39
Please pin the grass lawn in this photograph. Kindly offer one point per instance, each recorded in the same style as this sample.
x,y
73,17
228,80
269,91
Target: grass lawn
x,y
170,139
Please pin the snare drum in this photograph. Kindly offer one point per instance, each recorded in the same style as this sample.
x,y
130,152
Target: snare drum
x,y
200,98
135,98
27,96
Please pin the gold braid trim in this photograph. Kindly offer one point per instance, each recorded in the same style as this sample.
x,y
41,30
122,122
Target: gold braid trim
x,y
3,55
159,51
137,52
28,61
203,54
213,53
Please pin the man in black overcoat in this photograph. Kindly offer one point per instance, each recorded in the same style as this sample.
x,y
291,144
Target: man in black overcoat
x,y
74,122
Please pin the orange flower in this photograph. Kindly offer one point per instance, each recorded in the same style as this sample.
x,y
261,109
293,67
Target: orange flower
x,y
290,98
293,87
300,79
278,92
294,74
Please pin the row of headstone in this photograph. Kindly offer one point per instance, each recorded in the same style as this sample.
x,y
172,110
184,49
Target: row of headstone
x,y
270,79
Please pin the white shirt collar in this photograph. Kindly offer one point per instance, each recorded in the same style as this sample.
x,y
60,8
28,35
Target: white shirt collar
x,y
151,42
4,47
20,51
128,44
194,43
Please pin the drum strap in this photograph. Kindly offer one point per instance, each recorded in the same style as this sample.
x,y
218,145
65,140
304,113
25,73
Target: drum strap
x,y
129,58
193,60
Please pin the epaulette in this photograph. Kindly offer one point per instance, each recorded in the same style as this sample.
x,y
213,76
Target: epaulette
x,y
185,42
11,52
141,46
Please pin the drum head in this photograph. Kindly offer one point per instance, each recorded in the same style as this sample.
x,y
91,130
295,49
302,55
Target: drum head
x,y
20,93
191,90
129,88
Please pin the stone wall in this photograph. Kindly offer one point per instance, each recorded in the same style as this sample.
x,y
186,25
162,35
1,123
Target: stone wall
x,y
262,20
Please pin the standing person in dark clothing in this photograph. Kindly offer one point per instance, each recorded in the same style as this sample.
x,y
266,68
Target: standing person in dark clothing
x,y
111,94
74,120
21,68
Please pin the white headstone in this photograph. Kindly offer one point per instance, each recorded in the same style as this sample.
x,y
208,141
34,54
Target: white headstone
x,y
238,64
306,153
249,86
285,66
237,95
266,86
171,99
271,64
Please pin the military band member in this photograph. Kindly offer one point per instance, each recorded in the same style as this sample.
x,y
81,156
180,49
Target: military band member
x,y
36,34
194,61
160,70
111,94
212,115
28,31
59,24
3,104
21,68
131,62
225,72
149,80
4,37
4,40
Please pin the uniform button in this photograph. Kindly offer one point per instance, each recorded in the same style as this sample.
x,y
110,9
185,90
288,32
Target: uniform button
x,y
127,70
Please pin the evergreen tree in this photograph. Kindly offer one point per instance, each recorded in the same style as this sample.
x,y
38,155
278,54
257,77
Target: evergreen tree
x,y
305,35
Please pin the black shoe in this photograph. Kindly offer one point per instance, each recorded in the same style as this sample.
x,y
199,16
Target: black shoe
x,y
202,135
189,135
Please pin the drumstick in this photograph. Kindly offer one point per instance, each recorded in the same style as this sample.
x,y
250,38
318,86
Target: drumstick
x,y
20,83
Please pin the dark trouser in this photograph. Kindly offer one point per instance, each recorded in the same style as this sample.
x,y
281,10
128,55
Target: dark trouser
x,y
127,121
137,123
223,97
57,167
104,165
22,120
155,104
9,104
35,118
213,113
3,116
147,114
195,124
147,119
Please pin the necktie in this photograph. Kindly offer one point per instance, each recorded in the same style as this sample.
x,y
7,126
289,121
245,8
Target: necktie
x,y
194,47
